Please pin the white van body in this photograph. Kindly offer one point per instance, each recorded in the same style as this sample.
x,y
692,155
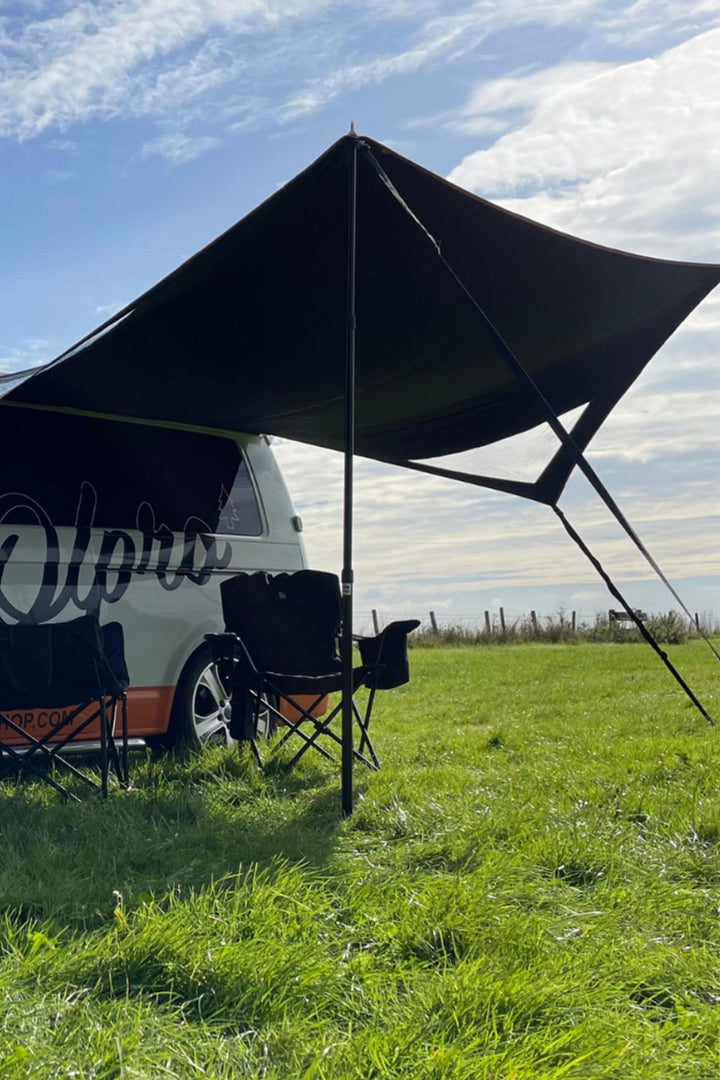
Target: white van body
x,y
155,564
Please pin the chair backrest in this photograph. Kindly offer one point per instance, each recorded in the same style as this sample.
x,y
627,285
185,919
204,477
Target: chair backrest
x,y
59,664
288,623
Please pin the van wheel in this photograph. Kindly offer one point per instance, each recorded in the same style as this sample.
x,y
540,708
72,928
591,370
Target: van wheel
x,y
201,707
200,713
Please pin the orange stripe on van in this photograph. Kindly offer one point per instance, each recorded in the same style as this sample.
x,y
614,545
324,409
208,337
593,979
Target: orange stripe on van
x,y
292,715
148,714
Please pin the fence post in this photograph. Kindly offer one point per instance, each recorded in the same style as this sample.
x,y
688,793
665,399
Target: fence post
x,y
488,628
502,621
533,619
573,622
433,622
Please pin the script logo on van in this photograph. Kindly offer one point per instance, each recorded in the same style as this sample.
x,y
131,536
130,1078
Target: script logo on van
x,y
120,556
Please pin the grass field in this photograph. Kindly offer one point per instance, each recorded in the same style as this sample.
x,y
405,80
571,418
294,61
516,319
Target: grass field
x,y
530,888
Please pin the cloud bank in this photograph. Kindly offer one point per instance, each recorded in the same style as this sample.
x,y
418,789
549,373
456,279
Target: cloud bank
x,y
598,117
203,62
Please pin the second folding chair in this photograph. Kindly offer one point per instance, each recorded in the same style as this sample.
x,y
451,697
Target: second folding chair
x,y
75,672
280,653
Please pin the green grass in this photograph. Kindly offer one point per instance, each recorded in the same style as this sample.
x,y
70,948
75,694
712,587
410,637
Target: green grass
x,y
530,888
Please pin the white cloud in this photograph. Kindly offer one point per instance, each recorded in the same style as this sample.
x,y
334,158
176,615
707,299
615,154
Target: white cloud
x,y
65,146
88,61
704,319
444,38
26,355
53,177
273,59
429,542
650,424
527,91
637,23
178,148
115,58
106,310
624,155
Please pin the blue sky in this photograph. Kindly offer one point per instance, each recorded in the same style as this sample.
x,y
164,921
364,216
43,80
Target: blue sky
x,y
132,133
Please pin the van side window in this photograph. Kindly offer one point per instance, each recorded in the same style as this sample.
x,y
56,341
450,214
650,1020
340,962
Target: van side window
x,y
79,470
239,513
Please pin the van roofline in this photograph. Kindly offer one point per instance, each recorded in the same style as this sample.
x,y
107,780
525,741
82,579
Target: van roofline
x,y
140,421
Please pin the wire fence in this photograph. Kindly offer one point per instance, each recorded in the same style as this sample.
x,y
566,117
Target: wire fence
x,y
498,626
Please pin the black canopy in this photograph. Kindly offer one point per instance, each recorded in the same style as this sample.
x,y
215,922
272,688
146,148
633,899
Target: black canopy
x,y
249,334
371,300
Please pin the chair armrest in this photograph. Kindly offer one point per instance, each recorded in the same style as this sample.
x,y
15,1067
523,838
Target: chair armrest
x,y
224,645
386,654
233,661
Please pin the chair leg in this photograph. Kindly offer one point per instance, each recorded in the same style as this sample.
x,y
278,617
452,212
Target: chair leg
x,y
254,749
115,761
124,715
53,751
27,766
363,724
294,728
256,755
309,740
48,750
104,753
325,729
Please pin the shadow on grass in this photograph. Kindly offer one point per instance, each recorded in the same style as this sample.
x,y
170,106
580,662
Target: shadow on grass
x,y
184,823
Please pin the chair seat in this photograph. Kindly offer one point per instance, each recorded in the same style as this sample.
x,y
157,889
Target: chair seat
x,y
314,684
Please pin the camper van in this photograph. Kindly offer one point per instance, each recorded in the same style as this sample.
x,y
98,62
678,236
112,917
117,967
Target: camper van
x,y
140,524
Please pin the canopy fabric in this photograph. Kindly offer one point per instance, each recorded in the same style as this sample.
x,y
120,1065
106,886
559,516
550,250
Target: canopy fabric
x,y
249,334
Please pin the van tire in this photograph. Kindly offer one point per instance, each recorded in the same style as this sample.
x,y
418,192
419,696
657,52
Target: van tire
x,y
200,697
200,711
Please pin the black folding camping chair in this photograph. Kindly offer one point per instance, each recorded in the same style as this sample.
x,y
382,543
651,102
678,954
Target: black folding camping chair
x,y
74,672
280,654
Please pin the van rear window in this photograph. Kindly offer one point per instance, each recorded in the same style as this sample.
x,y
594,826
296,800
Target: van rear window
x,y
81,470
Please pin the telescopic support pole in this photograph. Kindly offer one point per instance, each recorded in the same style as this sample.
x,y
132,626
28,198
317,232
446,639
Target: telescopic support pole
x,y
347,570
